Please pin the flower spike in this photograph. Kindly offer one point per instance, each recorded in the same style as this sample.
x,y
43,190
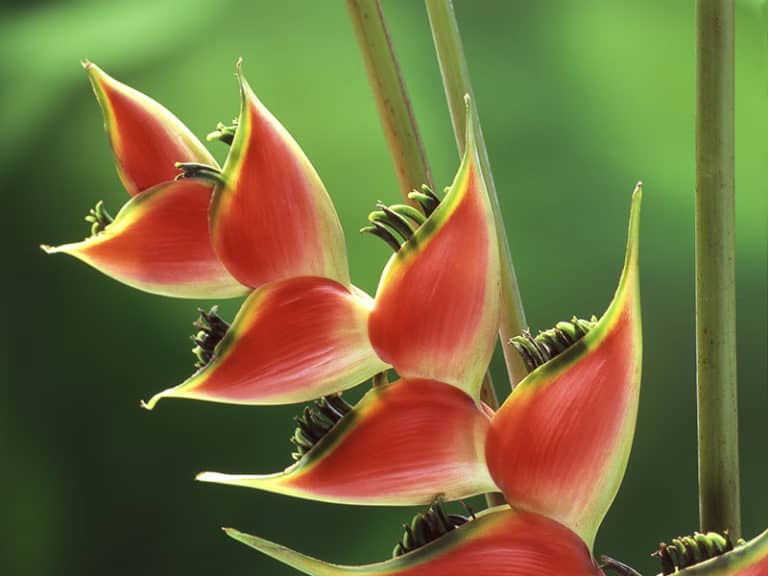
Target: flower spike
x,y
688,558
394,448
436,311
559,444
271,217
158,243
499,542
291,341
146,138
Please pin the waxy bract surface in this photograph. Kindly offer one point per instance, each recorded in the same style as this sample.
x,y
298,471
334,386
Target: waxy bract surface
x,y
403,444
559,445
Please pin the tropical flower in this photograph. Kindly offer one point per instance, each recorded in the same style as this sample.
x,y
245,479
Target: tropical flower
x,y
553,449
558,446
306,331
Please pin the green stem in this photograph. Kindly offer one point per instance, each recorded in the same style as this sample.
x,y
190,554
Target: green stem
x,y
391,96
719,504
453,66
399,124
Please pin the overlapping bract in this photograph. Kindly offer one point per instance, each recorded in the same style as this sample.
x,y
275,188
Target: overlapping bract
x,y
305,331
403,443
159,241
271,217
577,414
499,542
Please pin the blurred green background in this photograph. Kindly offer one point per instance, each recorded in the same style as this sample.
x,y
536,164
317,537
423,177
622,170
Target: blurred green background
x,y
579,100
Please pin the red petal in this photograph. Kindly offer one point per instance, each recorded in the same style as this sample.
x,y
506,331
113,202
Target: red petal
x,y
560,443
159,243
146,138
272,218
437,307
292,341
500,542
403,444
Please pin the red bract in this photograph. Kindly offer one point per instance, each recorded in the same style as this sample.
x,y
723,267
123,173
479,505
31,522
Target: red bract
x,y
499,542
437,305
560,443
159,241
271,217
558,446
551,449
402,444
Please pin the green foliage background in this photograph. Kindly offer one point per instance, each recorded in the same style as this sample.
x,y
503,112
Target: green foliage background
x,y
579,99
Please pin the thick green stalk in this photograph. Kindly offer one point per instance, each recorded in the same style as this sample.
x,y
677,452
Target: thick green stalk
x,y
719,504
453,66
391,96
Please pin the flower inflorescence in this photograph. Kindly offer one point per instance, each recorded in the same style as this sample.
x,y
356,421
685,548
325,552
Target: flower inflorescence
x,y
397,223
687,551
428,526
539,349
316,421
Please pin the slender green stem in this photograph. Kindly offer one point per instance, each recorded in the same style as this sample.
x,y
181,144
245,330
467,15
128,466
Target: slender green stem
x,y
453,66
391,96
719,503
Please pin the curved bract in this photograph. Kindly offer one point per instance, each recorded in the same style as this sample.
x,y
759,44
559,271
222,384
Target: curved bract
x,y
291,341
403,444
559,445
499,542
147,139
159,243
271,217
436,310
750,559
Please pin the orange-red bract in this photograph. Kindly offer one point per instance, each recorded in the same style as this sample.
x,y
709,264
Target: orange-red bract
x,y
159,243
271,217
436,310
292,341
146,138
404,443
500,542
559,444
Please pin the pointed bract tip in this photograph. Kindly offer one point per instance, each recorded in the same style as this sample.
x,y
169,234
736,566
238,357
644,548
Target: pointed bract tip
x,y
149,405
206,476
230,531
86,64
244,86
70,248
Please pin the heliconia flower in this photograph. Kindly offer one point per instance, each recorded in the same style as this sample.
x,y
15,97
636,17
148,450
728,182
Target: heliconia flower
x,y
312,334
292,340
557,449
559,444
271,217
437,305
159,242
404,443
499,542
714,554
